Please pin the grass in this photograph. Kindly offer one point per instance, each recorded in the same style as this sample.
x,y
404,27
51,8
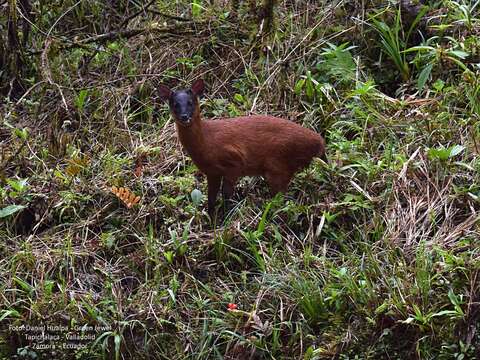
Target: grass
x,y
373,255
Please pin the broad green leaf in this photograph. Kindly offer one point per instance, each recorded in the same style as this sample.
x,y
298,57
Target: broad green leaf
x,y
424,75
10,209
439,153
455,150
459,54
196,196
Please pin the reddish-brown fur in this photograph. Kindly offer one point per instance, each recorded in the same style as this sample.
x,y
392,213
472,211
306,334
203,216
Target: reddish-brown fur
x,y
263,145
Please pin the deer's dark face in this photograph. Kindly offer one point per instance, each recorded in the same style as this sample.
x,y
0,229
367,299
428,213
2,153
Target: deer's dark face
x,y
182,105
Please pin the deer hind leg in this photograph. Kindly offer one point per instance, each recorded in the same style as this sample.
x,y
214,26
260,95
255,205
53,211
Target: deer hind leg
x,y
278,181
227,190
213,187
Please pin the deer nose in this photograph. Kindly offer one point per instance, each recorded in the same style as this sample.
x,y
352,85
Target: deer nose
x,y
184,117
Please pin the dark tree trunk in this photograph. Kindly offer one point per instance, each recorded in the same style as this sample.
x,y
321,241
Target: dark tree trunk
x,y
13,54
267,15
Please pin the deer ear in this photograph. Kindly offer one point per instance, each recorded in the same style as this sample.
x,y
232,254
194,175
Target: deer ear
x,y
198,87
164,92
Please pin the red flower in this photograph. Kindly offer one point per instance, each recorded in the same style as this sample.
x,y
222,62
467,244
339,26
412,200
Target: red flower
x,y
232,306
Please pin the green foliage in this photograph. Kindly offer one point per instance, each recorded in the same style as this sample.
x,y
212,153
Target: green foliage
x,y
80,100
10,209
197,8
196,196
376,250
337,62
464,12
17,187
443,154
254,240
393,43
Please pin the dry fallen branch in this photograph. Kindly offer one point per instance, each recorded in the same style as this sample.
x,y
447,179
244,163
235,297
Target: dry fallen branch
x,y
112,35
173,30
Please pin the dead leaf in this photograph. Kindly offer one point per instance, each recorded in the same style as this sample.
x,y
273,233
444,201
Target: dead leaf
x,y
127,197
139,165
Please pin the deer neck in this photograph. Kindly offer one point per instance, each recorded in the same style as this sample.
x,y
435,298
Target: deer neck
x,y
193,139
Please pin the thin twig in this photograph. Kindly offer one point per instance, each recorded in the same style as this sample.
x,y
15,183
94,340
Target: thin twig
x,y
112,35
126,21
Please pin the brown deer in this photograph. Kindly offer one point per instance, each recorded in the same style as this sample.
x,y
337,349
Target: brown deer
x,y
242,146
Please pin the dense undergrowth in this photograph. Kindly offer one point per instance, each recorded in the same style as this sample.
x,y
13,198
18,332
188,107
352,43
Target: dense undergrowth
x,y
371,256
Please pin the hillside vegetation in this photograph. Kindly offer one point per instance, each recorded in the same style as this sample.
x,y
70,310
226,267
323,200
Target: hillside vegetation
x,y
373,255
